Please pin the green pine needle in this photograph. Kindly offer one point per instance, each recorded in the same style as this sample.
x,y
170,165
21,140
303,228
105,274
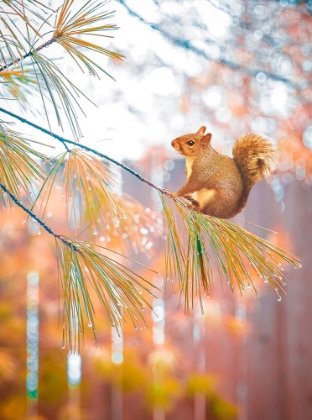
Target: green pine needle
x,y
194,241
82,272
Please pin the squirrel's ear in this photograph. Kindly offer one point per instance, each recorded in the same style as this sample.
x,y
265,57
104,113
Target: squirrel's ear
x,y
206,140
202,130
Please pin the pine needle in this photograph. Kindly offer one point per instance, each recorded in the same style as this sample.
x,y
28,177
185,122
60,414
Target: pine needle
x,y
120,291
89,199
88,20
17,167
194,240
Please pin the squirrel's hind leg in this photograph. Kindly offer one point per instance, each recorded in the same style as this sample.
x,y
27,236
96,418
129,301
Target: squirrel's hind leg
x,y
221,203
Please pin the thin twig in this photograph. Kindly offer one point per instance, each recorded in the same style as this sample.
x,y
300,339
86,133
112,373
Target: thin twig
x,y
89,149
46,44
35,217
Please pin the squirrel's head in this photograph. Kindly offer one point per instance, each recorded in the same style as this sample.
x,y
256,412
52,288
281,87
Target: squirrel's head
x,y
192,145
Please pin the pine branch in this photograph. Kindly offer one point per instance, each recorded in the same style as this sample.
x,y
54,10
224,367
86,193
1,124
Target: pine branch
x,y
18,60
228,243
89,149
82,269
72,29
33,215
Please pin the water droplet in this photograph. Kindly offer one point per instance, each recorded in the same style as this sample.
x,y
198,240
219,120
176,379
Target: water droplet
x,y
279,299
63,346
95,232
90,324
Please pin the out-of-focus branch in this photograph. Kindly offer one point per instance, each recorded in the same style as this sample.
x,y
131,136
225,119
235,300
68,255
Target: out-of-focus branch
x,y
187,44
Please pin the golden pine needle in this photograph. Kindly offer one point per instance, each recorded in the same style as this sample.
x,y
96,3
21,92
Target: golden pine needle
x,y
119,289
236,252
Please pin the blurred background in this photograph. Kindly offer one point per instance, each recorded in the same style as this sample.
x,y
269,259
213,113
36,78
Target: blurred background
x,y
234,67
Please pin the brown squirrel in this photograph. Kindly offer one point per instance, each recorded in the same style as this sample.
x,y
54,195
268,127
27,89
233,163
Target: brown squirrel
x,y
220,185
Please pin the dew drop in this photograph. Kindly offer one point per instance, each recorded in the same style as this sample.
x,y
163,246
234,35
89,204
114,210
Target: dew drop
x,y
279,299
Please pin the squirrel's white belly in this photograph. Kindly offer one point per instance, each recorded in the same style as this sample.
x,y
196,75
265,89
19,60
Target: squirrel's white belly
x,y
203,196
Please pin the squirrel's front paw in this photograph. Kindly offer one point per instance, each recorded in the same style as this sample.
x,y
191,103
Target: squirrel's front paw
x,y
168,193
194,203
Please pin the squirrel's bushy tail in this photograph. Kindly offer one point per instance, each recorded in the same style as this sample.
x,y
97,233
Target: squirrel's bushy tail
x,y
255,157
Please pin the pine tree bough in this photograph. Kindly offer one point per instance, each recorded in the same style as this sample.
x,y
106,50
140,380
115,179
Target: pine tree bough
x,y
194,243
80,269
208,238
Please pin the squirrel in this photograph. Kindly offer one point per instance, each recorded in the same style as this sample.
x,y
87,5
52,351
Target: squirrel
x,y
220,185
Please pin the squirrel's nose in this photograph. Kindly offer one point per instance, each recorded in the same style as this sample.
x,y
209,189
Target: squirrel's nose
x,y
174,143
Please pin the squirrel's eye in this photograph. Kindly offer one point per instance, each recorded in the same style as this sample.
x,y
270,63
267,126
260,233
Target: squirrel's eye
x,y
191,143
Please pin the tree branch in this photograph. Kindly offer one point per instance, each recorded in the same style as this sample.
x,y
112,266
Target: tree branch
x,y
186,44
89,149
35,217
46,44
